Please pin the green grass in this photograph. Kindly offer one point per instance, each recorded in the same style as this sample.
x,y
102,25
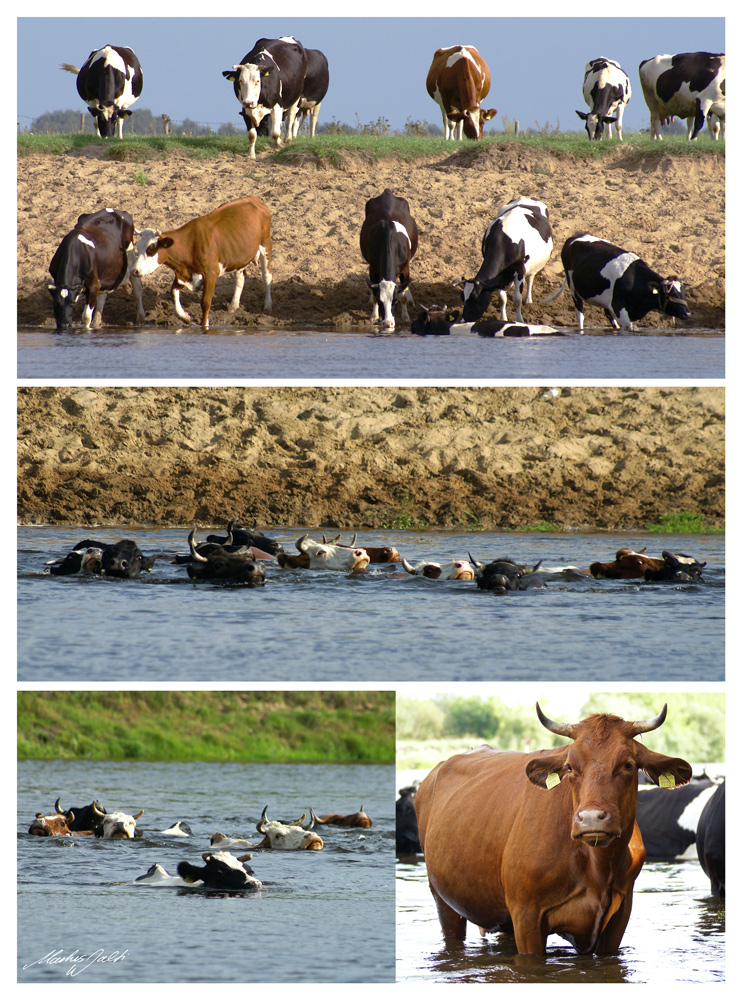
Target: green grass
x,y
239,726
683,523
545,526
333,149
402,519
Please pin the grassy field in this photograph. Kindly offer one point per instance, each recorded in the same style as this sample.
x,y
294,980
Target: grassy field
x,y
239,726
333,149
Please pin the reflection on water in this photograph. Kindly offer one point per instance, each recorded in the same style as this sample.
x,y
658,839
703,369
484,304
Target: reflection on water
x,y
281,355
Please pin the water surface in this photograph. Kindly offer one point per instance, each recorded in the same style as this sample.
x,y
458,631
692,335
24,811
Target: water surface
x,y
315,626
280,356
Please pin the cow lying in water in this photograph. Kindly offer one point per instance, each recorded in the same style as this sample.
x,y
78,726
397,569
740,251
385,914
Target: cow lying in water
x,y
630,565
502,575
375,553
123,559
221,562
238,535
439,322
359,818
676,569
454,569
324,555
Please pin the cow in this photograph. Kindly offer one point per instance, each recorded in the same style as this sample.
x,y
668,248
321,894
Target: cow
x,y
52,825
710,837
668,818
628,565
388,244
78,562
270,81
239,535
452,569
406,838
221,871
93,259
617,281
109,81
320,555
222,564
691,85
502,575
158,876
676,568
515,247
438,322
178,829
125,560
458,81
376,553
287,837
542,843
119,826
82,819
316,83
231,238
356,819
607,91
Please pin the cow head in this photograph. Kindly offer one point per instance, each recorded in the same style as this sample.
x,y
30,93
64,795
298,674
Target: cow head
x,y
477,292
671,297
108,118
147,254
63,299
473,120
53,825
595,124
600,769
247,79
118,826
287,837
435,320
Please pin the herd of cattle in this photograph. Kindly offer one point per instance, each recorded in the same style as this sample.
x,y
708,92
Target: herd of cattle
x,y
222,870
552,842
237,557
279,79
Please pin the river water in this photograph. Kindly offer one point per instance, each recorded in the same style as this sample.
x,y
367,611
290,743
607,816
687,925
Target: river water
x,y
676,935
309,356
318,626
322,916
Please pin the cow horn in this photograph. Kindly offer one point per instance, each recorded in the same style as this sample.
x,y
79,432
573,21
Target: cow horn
x,y
195,555
298,822
408,567
315,819
301,541
324,539
637,728
137,815
473,561
559,728
98,810
263,819
57,807
355,535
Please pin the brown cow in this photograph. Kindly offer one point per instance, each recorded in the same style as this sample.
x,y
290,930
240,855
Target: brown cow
x,y
230,238
629,565
337,819
53,825
542,843
376,553
458,80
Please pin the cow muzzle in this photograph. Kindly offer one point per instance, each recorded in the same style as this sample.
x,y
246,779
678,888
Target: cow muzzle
x,y
594,827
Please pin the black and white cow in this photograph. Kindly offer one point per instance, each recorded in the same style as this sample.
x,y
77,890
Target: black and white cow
x,y
676,568
94,258
109,82
515,247
270,81
388,244
690,85
222,871
316,83
710,837
440,322
618,281
668,818
607,91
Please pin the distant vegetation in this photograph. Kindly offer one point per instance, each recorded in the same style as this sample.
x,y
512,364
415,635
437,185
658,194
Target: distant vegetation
x,y
241,726
429,729
683,523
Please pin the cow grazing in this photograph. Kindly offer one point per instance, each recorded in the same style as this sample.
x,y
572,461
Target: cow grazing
x,y
617,281
316,83
690,85
515,247
542,843
119,826
407,840
221,871
458,81
676,568
93,259
356,819
607,91
324,555
502,575
439,322
231,238
453,569
668,818
388,244
270,81
287,837
628,565
710,837
222,564
109,82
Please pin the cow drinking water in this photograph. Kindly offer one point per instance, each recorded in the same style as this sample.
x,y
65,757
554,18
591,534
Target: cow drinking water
x,y
388,244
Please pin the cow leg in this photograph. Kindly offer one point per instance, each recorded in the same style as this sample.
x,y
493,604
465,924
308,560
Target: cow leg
x,y
91,300
252,136
267,278
313,116
579,307
518,297
529,289
207,294
180,311
239,284
136,287
404,298
503,295
453,925
98,314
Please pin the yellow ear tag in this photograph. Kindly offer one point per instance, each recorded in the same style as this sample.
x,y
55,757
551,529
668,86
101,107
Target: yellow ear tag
x,y
552,779
667,780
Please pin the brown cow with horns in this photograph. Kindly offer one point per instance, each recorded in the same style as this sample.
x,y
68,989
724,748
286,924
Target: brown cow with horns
x,y
542,843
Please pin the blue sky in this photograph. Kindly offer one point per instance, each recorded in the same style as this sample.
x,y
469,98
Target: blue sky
x,y
378,65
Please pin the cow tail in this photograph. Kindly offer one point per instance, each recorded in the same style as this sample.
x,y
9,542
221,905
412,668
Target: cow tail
x,y
557,293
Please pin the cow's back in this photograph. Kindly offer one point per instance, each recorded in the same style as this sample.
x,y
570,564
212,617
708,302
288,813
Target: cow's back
x,y
233,232
390,207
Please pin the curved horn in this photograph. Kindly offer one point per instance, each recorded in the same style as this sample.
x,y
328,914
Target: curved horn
x,y
353,543
98,810
315,819
324,539
301,541
263,819
137,815
57,807
70,816
473,561
560,728
408,567
195,555
649,724
297,822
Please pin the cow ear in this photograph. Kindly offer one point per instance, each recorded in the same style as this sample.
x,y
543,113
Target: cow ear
x,y
546,769
582,114
665,771
229,74
609,121
489,113
453,316
164,242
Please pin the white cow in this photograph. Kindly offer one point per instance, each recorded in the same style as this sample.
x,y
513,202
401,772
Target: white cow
x,y
607,91
454,569
690,85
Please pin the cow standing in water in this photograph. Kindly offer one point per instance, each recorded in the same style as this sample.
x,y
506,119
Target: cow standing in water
x,y
542,843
